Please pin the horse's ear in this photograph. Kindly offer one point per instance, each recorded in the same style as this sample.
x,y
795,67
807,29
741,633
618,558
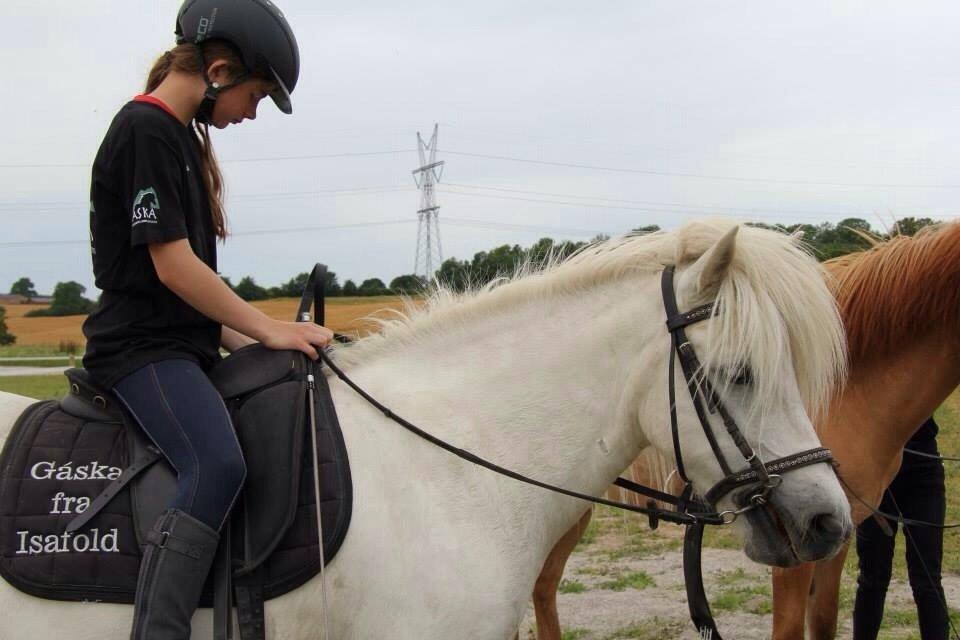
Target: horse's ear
x,y
701,281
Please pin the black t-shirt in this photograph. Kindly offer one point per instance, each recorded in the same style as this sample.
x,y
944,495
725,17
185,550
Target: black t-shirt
x,y
146,187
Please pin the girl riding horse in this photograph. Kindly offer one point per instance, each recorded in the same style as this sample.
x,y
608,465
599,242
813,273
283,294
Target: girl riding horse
x,y
155,217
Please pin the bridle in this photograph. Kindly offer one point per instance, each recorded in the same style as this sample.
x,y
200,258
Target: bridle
x,y
761,478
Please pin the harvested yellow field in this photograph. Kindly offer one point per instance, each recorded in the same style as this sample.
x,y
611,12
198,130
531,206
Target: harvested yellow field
x,y
50,331
19,310
344,315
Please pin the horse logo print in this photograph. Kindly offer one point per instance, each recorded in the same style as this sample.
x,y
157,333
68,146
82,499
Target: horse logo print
x,y
145,207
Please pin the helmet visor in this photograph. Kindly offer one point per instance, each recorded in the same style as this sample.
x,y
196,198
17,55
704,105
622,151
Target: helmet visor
x,y
280,95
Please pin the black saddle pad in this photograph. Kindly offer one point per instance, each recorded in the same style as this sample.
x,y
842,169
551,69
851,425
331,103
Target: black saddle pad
x,y
61,455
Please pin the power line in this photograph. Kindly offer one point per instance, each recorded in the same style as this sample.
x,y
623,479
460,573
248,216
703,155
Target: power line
x,y
354,225
509,226
670,174
708,207
666,174
60,205
744,213
595,205
316,156
309,194
513,134
319,156
255,232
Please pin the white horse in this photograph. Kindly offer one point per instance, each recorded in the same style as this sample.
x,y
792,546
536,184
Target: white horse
x,y
560,375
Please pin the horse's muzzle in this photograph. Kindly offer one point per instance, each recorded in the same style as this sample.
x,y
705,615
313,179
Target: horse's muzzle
x,y
780,538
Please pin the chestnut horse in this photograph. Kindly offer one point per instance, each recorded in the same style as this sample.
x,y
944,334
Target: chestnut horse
x,y
900,302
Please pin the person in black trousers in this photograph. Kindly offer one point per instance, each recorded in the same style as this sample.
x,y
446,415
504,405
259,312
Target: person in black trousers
x,y
917,492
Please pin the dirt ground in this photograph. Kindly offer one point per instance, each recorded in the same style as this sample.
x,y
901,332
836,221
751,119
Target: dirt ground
x,y
628,583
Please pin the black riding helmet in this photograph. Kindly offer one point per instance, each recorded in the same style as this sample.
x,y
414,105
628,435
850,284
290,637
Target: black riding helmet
x,y
260,34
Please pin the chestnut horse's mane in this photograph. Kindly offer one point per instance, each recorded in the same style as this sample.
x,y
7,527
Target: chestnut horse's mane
x,y
898,289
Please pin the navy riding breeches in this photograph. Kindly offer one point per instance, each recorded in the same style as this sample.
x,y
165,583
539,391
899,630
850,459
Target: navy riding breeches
x,y
184,415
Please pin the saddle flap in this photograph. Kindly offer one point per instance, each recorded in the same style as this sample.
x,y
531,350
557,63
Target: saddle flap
x,y
270,428
250,368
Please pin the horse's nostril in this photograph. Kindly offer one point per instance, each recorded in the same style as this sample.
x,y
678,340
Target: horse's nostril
x,y
826,525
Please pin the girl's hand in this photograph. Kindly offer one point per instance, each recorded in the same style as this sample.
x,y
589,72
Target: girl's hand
x,y
301,336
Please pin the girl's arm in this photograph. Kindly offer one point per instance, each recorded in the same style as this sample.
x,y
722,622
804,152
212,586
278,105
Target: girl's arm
x,y
181,271
232,340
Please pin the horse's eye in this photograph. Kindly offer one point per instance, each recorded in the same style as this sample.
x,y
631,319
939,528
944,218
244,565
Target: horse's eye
x,y
744,376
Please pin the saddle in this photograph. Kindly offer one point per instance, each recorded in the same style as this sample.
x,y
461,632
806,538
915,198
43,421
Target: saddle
x,y
81,485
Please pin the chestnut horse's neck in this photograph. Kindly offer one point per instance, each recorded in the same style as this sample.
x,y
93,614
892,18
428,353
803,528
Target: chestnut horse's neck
x,y
883,404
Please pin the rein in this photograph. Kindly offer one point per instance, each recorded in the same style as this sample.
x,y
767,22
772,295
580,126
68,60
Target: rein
x,y
653,512
930,455
881,516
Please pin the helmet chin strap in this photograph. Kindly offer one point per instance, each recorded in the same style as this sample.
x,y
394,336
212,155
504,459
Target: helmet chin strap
x,y
204,114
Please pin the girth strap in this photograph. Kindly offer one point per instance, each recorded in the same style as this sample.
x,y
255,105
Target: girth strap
x,y
223,587
140,464
250,615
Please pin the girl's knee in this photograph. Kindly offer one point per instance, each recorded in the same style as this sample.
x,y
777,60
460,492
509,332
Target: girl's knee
x,y
231,472
224,474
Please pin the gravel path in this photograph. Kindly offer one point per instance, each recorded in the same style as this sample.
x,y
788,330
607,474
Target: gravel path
x,y
652,601
31,371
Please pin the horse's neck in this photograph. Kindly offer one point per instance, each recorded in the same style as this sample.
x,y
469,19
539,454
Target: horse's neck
x,y
884,403
543,387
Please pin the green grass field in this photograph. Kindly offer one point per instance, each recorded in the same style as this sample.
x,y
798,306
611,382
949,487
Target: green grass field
x,y
900,620
15,350
40,387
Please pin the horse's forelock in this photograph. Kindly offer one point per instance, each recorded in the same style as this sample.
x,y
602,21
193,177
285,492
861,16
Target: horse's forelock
x,y
775,310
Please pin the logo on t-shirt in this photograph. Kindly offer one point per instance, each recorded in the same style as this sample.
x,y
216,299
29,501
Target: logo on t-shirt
x,y
145,207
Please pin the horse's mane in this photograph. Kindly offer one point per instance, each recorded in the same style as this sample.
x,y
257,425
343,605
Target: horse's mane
x,y
775,296
899,288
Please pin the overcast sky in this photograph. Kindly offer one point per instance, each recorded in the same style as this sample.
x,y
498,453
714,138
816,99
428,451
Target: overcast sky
x,y
557,118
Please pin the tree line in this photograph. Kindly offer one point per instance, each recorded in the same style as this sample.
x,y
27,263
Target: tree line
x,y
248,289
826,240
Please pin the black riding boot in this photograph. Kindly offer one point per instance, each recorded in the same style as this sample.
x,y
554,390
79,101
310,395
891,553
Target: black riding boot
x,y
180,550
